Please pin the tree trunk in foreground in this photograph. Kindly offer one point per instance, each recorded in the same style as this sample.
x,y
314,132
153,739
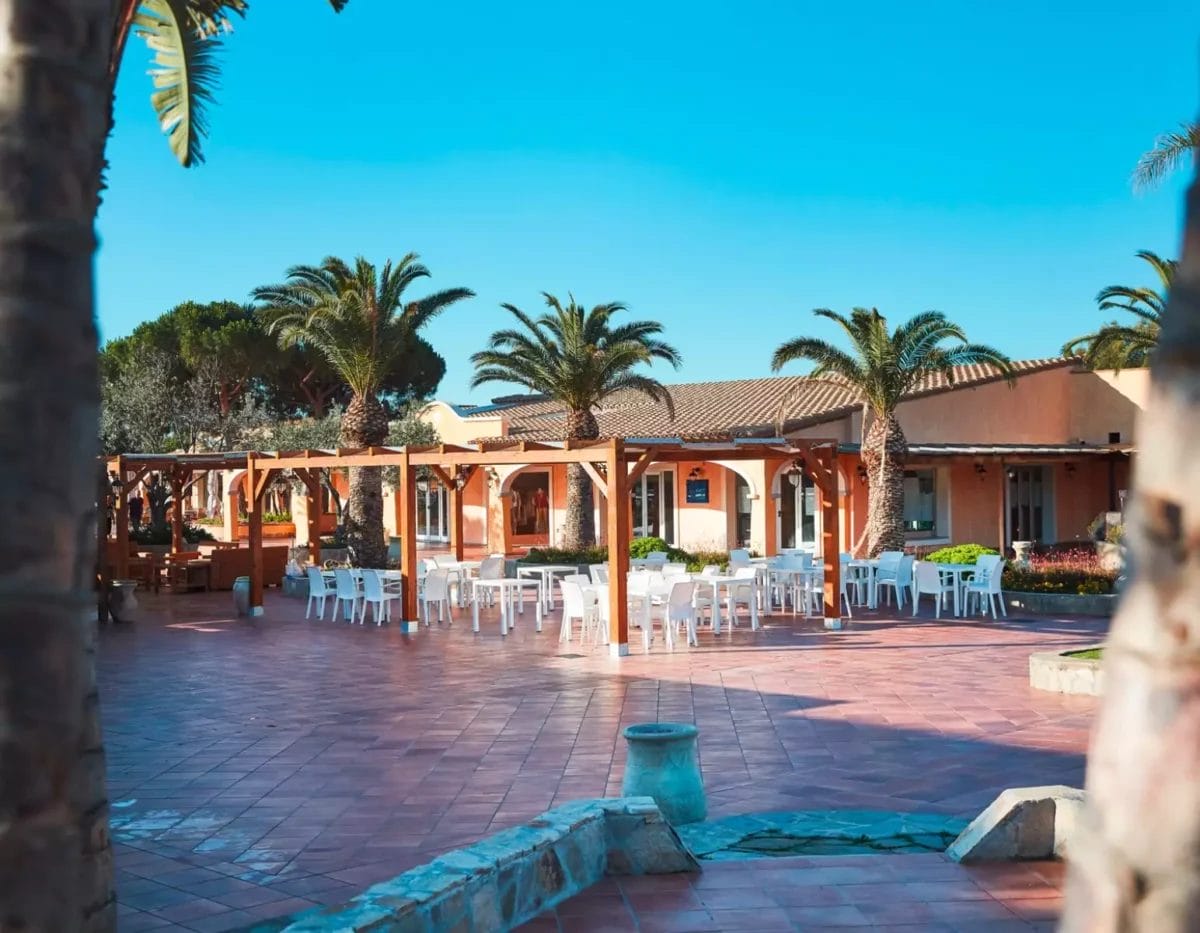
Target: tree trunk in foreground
x,y
365,424
884,453
1138,868
580,529
55,856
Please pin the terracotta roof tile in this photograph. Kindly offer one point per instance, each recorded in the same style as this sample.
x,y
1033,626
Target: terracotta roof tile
x,y
741,407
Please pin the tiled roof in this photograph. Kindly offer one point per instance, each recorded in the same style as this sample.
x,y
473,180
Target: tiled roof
x,y
741,407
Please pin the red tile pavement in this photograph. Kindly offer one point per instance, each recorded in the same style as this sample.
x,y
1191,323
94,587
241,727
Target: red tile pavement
x,y
896,892
259,767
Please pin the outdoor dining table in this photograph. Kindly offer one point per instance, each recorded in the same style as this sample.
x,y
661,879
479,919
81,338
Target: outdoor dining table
x,y
464,571
716,581
792,574
958,572
546,573
864,574
507,588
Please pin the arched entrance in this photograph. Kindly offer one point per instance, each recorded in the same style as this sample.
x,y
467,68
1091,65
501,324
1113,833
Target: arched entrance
x,y
799,511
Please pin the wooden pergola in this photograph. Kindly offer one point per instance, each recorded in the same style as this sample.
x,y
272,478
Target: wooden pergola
x,y
614,466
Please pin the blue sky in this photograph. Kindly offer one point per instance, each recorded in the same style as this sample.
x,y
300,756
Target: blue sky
x,y
722,168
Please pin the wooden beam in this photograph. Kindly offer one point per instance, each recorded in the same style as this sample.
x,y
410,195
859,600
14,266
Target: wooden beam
x,y
617,514
639,467
103,569
456,486
590,469
442,475
121,520
406,507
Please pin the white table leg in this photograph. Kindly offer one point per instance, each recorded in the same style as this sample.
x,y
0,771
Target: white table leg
x,y
716,610
475,611
538,617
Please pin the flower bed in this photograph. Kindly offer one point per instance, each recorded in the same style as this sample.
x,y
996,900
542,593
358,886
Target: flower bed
x,y
1077,572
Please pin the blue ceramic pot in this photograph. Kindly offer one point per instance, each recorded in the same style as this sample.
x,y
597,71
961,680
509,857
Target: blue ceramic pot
x,y
662,764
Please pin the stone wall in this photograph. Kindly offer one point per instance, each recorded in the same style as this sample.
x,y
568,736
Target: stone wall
x,y
1056,672
1062,604
511,877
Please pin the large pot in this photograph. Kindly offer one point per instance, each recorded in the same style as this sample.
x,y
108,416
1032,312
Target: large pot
x,y
662,764
121,600
241,596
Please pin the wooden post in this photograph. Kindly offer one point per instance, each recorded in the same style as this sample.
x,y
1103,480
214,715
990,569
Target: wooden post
x,y
176,511
830,538
254,514
617,523
456,513
406,525
121,518
103,570
312,508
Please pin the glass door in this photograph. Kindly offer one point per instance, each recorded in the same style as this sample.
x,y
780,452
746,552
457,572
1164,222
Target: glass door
x,y
798,508
1027,510
654,506
433,515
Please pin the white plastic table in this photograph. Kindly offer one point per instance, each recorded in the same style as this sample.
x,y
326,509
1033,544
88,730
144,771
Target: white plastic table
x,y
507,588
870,567
957,571
546,573
792,574
717,581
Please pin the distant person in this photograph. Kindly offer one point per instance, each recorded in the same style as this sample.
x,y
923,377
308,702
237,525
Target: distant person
x,y
541,511
135,510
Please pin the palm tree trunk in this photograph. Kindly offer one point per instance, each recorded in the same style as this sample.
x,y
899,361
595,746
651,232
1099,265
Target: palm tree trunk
x,y
55,856
1139,866
365,424
580,530
884,454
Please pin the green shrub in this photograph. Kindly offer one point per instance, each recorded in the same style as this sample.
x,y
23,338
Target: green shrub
x,y
644,547
701,559
161,534
1072,582
277,517
554,555
960,554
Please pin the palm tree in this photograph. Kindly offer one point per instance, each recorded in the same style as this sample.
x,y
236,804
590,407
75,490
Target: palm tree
x,y
578,358
182,34
1170,151
1136,867
1120,346
884,367
359,320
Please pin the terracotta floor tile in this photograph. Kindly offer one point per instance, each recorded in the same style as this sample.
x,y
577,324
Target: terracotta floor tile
x,y
274,749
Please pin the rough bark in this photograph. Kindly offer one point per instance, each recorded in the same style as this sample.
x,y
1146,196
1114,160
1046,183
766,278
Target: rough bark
x,y
365,424
884,453
55,856
580,528
1139,866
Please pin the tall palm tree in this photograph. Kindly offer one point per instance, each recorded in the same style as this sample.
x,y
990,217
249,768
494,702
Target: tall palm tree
x,y
884,366
578,358
1170,151
182,34
359,320
1136,867
1120,346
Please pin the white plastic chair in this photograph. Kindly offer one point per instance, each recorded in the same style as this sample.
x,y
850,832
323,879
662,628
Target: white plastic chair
x,y
928,580
437,590
575,606
347,593
898,580
598,572
985,585
743,594
317,591
675,608
741,555
673,569
377,597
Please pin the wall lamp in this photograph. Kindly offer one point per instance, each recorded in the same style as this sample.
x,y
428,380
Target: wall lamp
x,y
980,471
862,474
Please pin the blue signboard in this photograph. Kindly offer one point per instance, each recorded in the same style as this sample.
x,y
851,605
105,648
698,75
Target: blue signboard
x,y
697,491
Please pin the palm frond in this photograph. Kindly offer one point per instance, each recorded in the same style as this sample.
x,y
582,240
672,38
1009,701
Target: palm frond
x,y
185,74
1170,151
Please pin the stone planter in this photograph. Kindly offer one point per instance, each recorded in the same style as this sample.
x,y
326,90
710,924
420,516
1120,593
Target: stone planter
x,y
121,601
662,764
1062,604
1054,671
241,596
1021,551
1112,556
339,555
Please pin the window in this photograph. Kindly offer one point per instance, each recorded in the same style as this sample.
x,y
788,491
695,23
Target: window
x,y
742,497
654,506
920,503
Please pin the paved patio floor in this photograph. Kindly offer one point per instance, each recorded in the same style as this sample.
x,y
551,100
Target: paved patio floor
x,y
261,767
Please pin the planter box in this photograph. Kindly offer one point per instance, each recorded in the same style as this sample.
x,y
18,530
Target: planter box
x,y
1055,672
270,530
1066,604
